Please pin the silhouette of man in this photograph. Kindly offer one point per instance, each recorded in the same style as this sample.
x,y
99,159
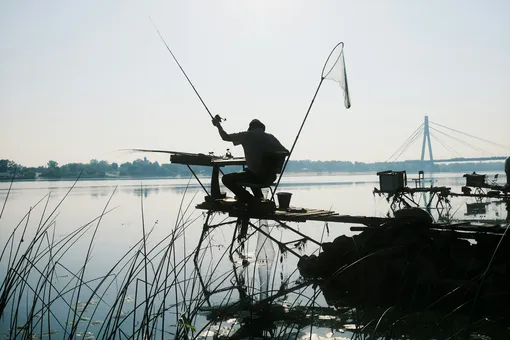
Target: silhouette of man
x,y
255,142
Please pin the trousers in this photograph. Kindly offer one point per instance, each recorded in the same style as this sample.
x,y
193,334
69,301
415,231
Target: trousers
x,y
232,182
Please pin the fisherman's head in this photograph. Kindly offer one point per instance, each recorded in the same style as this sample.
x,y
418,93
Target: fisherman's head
x,y
256,124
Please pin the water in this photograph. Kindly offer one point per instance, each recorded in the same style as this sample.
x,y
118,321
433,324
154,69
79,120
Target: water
x,y
155,205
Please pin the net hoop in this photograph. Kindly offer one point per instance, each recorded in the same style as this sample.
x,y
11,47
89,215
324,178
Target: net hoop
x,y
336,61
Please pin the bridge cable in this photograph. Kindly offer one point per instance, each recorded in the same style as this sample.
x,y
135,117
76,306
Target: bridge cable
x,y
405,145
412,138
461,141
410,143
446,146
467,134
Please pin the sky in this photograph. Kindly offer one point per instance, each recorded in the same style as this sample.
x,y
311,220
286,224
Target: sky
x,y
83,80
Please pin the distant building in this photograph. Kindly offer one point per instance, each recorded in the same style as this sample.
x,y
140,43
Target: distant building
x,y
112,173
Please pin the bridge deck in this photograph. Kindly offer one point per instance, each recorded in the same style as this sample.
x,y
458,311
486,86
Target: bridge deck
x,y
462,159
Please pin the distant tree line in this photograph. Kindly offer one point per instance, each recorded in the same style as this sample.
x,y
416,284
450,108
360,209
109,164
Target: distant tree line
x,y
409,166
145,168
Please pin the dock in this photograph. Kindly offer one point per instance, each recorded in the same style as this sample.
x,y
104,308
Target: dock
x,y
292,214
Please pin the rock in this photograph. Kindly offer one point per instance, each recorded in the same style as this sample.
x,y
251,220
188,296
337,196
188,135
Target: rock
x,y
414,215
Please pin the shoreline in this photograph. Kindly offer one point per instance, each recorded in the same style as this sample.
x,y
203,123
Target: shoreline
x,y
290,174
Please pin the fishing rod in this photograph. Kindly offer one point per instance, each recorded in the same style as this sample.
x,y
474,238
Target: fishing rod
x,y
168,152
216,118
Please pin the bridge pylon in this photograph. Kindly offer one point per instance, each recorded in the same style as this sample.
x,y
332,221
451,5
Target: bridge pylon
x,y
426,141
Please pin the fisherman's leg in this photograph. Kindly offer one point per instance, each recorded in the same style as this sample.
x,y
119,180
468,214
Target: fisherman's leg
x,y
231,182
252,178
507,178
257,192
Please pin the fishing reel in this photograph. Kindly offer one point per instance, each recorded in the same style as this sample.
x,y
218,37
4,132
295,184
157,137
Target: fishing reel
x,y
217,119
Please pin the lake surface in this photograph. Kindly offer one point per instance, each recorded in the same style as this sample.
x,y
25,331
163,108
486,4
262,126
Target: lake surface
x,y
157,205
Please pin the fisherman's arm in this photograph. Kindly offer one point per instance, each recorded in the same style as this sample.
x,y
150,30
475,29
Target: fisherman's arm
x,y
279,147
225,136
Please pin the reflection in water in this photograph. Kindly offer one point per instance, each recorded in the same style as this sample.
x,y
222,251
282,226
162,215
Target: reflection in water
x,y
265,255
145,191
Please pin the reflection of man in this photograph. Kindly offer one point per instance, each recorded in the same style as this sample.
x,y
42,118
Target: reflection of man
x,y
507,171
256,142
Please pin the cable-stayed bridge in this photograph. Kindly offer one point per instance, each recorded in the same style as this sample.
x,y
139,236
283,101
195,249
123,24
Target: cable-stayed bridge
x,y
444,135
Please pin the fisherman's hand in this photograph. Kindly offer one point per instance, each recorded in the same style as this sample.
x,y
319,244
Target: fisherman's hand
x,y
216,121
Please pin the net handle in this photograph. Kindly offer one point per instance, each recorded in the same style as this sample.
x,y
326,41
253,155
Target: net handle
x,y
306,116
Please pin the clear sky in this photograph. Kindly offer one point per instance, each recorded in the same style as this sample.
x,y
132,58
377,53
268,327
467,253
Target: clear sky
x,y
82,79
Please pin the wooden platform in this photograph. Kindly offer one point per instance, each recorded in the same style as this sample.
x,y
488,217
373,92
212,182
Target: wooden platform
x,y
293,214
445,191
500,195
470,228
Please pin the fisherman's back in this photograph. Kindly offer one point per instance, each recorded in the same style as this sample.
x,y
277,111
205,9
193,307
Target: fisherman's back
x,y
255,143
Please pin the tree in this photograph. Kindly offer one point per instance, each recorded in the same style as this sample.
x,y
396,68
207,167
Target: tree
x,y
52,164
3,165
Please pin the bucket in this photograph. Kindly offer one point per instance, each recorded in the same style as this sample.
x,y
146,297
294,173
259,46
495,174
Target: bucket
x,y
283,200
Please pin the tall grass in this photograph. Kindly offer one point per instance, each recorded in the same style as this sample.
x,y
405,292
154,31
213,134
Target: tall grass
x,y
163,288
37,301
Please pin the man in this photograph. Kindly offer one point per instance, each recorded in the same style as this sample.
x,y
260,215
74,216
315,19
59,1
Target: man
x,y
507,171
255,142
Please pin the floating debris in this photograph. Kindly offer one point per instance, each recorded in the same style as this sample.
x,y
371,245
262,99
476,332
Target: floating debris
x,y
129,298
50,333
86,336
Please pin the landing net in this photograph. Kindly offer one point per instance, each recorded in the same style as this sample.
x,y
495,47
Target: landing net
x,y
334,70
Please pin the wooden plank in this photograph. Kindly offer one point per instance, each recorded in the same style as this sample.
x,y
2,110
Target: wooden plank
x,y
229,161
198,159
295,216
206,160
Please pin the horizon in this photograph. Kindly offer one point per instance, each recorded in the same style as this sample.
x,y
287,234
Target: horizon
x,y
456,162
83,80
